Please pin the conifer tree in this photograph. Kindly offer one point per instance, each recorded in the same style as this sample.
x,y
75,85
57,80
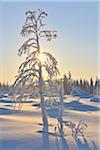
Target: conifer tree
x,y
91,85
65,80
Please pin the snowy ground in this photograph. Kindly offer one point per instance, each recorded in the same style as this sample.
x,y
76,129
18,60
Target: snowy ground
x,y
22,130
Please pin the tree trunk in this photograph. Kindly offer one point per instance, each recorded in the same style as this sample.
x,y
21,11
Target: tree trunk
x,y
43,107
44,112
61,106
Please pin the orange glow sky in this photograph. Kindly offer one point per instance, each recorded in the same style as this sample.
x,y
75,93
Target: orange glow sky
x,y
75,48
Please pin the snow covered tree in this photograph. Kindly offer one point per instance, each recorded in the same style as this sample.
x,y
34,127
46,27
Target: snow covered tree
x,y
30,72
87,86
97,87
67,83
91,85
65,80
77,83
81,84
4,87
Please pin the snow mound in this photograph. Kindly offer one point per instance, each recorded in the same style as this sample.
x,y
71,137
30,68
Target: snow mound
x,y
53,112
13,101
75,105
5,101
36,104
2,96
6,111
95,99
79,93
83,95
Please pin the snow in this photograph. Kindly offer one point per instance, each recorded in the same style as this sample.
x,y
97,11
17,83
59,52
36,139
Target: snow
x,y
75,105
2,95
81,94
23,130
95,99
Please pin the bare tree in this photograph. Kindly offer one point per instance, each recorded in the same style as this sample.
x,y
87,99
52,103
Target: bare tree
x,y
31,70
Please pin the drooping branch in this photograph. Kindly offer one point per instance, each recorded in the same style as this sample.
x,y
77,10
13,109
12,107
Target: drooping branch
x,y
49,35
50,64
27,45
31,60
30,68
27,30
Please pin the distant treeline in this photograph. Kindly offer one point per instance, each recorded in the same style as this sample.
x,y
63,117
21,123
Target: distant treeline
x,y
5,88
91,87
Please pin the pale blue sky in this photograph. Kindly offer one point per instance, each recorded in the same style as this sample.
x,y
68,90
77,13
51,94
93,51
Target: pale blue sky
x,y
75,47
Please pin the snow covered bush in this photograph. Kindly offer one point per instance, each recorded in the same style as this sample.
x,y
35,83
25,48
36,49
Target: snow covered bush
x,y
77,129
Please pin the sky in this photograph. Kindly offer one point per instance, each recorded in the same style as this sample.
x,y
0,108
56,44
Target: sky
x,y
75,48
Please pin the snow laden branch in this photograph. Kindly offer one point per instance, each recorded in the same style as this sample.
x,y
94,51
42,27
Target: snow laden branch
x,y
34,30
30,68
48,34
30,73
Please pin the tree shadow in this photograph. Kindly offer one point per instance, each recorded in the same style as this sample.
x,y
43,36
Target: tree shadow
x,y
45,138
61,142
57,143
82,145
94,145
85,144
64,143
